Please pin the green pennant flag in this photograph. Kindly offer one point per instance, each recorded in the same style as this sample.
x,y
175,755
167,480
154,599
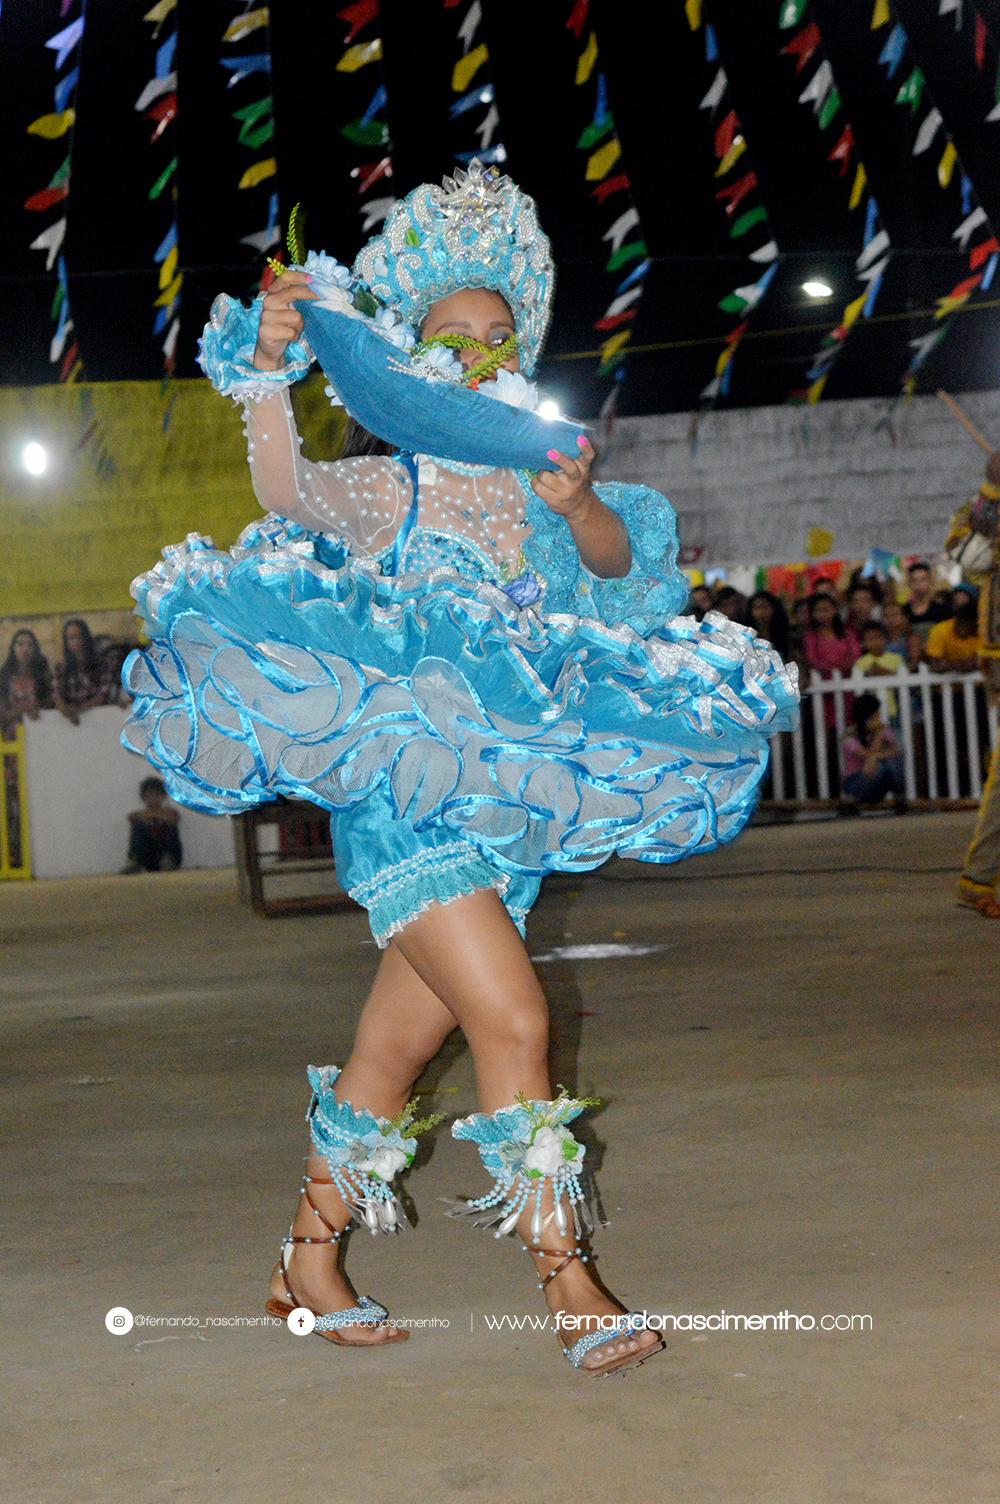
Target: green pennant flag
x,y
791,13
831,105
747,221
372,133
163,179
60,177
733,303
257,138
625,253
57,300
251,113
592,133
912,91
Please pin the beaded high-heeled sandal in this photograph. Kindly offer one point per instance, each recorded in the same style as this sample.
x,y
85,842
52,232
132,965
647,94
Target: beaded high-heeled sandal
x,y
364,1153
367,1312
628,1323
526,1146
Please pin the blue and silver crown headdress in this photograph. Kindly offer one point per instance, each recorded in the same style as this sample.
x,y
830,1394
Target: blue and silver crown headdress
x,y
477,230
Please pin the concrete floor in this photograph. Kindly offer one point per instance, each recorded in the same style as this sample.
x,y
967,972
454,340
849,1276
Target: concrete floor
x,y
806,1073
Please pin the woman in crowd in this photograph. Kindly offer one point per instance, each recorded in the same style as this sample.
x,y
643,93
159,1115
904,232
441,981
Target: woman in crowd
x,y
901,638
769,620
828,647
25,681
81,681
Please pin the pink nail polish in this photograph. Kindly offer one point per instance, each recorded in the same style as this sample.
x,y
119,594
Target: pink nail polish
x,y
553,454
583,441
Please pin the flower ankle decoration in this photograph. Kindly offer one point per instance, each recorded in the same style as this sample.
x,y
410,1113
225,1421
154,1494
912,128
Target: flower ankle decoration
x,y
524,1146
364,1152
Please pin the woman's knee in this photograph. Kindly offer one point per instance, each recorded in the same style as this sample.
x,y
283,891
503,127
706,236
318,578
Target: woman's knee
x,y
520,1028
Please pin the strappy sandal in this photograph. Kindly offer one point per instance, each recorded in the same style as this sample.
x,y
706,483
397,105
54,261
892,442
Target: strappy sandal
x,y
367,1312
625,1324
979,898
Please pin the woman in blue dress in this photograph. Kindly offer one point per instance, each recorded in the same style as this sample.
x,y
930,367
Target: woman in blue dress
x,y
479,670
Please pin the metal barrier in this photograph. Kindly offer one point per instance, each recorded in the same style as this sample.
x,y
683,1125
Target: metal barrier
x,y
15,846
945,724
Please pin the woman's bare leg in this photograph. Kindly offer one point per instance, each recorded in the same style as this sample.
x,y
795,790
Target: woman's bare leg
x,y
402,1026
471,957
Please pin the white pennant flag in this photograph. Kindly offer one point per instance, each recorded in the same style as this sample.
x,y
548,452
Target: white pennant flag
x,y
50,240
375,211
262,240
467,30
59,341
968,225
949,8
712,390
877,246
925,343
993,115
621,227
874,272
715,93
155,88
928,130
765,252
170,343
818,87
620,304
487,129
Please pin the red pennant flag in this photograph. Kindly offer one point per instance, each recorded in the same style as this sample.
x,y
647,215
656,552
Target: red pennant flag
x,y
358,15
734,193
616,320
842,151
47,197
962,289
725,133
735,335
803,45
980,41
609,186
69,359
577,18
983,252
369,173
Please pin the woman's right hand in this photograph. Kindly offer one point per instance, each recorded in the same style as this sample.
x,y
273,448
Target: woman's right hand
x,y
279,321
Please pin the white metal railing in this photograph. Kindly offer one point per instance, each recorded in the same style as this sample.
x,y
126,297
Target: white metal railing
x,y
944,722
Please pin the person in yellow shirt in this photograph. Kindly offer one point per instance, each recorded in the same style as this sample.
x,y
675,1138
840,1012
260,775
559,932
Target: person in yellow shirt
x,y
974,541
877,660
953,645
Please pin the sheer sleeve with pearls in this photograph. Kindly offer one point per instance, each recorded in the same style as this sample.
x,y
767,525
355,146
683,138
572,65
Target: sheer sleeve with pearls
x,y
361,500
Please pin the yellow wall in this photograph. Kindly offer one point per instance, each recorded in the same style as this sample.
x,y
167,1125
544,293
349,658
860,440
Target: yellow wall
x,y
73,540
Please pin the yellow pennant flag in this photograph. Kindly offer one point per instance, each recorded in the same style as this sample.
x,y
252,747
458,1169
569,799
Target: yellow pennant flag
x,y
467,67
852,312
813,395
692,9
880,15
858,187
169,267
244,25
819,540
611,346
258,172
732,156
52,126
949,304
724,359
946,166
161,11
603,159
588,57
357,56
168,294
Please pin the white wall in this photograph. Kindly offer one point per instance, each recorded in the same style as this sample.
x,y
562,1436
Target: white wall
x,y
762,477
82,784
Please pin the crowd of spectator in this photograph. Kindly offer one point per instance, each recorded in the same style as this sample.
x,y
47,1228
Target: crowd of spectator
x,y
872,628
87,674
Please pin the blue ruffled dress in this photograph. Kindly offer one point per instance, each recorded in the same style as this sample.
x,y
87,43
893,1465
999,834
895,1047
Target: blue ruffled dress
x,y
464,729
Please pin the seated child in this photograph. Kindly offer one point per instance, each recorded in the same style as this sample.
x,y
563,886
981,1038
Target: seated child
x,y
154,839
873,764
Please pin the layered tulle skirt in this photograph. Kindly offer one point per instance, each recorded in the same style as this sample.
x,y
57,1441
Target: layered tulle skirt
x,y
439,723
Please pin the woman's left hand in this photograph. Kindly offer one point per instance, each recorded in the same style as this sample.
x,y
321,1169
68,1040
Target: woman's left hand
x,y
567,490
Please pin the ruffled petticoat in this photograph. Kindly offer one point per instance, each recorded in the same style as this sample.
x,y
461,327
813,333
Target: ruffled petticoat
x,y
458,741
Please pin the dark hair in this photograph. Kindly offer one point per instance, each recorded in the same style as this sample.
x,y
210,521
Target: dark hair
x,y
149,784
88,660
968,616
874,626
869,583
818,595
358,441
38,668
779,626
865,706
919,564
